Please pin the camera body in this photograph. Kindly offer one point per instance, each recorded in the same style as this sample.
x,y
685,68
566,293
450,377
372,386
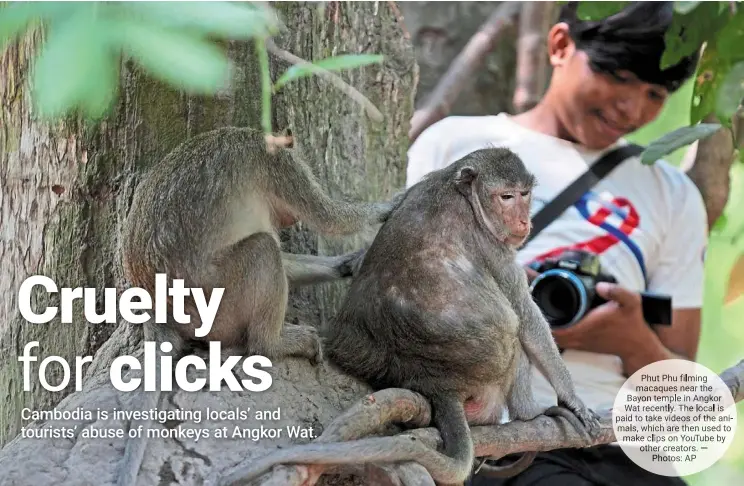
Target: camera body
x,y
565,290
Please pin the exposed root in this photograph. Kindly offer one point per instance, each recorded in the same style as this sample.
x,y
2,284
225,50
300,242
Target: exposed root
x,y
370,415
378,410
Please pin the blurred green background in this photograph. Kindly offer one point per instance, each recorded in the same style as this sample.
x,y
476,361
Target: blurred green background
x,y
721,345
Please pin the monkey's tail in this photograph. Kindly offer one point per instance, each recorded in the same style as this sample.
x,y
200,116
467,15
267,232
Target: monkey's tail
x,y
134,451
525,460
449,417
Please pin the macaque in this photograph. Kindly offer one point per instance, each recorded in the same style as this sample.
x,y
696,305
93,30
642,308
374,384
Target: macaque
x,y
440,306
209,213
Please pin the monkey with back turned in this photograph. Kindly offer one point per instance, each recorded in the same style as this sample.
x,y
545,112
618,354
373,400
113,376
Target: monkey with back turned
x,y
209,213
441,307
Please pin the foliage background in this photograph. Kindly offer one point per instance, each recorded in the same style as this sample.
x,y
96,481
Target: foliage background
x,y
721,345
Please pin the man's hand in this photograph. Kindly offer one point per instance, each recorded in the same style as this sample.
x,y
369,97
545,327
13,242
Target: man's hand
x,y
616,327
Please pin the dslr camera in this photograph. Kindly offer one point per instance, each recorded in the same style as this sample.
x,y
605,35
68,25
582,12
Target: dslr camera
x,y
565,290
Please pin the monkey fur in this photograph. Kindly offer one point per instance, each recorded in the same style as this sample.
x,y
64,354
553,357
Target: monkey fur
x,y
440,306
209,213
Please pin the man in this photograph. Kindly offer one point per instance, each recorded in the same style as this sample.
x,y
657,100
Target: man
x,y
647,224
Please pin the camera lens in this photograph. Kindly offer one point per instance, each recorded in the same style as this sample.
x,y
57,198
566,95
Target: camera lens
x,y
561,297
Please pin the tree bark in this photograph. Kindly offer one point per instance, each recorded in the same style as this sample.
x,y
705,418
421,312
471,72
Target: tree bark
x,y
354,157
533,68
708,163
66,189
463,68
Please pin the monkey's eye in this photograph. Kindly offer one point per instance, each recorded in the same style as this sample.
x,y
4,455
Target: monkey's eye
x,y
506,197
525,193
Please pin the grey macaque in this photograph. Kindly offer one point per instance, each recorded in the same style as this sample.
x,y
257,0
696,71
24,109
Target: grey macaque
x,y
441,307
209,213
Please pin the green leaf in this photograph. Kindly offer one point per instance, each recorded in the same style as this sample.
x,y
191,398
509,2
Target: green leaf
x,y
731,93
338,63
232,20
599,10
711,72
734,226
102,84
685,7
688,32
719,226
676,139
720,258
17,17
181,60
730,38
68,62
263,62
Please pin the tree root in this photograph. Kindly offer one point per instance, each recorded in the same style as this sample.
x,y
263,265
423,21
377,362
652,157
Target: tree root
x,y
377,411
368,416
404,474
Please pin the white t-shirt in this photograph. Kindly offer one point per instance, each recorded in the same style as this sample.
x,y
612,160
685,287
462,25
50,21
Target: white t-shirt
x,y
638,219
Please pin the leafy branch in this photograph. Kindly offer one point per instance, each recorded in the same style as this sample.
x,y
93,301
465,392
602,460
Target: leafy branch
x,y
77,68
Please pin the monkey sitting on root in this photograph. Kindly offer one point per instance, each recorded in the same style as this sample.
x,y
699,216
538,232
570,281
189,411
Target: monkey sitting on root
x,y
440,306
209,214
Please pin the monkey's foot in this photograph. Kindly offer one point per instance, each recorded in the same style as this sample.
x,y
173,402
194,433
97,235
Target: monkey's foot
x,y
285,475
583,419
301,340
366,416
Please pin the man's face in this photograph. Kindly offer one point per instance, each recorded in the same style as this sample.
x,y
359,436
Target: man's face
x,y
597,109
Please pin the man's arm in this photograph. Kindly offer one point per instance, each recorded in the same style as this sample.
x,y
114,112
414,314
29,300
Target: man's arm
x,y
679,341
618,328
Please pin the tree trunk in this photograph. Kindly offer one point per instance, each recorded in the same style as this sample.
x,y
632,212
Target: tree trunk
x,y
533,66
439,31
66,189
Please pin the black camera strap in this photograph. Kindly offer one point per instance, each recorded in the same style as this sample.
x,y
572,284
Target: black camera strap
x,y
580,186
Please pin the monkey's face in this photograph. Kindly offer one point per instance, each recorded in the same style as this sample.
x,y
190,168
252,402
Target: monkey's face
x,y
499,189
512,207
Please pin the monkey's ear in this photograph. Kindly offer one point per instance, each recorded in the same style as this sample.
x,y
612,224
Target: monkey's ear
x,y
465,178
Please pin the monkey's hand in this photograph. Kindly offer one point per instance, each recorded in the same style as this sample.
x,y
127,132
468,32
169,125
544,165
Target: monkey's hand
x,y
398,197
387,207
350,267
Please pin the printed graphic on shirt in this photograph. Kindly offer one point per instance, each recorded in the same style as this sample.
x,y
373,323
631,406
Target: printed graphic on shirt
x,y
618,217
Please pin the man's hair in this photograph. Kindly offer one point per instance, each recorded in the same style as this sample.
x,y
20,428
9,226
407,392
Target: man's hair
x,y
630,40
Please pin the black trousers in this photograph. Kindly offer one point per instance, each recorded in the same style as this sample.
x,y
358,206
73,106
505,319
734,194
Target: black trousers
x,y
604,465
